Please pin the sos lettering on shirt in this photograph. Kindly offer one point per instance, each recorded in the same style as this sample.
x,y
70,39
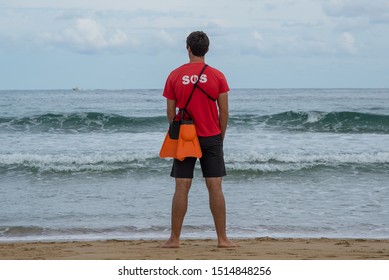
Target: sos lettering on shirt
x,y
186,79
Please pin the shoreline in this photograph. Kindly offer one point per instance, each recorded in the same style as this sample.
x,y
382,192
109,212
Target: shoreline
x,y
264,248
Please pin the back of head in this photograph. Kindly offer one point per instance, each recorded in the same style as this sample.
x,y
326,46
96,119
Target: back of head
x,y
198,43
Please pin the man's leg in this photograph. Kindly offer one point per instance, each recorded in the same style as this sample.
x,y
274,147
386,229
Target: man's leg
x,y
218,209
179,207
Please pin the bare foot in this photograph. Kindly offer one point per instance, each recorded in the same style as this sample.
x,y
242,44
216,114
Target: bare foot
x,y
227,244
171,244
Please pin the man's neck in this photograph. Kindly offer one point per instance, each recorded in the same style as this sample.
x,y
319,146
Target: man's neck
x,y
196,59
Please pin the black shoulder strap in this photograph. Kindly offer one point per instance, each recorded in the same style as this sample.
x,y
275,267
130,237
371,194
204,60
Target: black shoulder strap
x,y
194,87
206,93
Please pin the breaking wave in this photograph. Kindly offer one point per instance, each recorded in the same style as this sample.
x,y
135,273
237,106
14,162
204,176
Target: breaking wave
x,y
82,122
312,121
150,162
315,121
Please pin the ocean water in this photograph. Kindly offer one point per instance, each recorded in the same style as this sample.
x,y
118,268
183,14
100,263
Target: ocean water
x,y
301,163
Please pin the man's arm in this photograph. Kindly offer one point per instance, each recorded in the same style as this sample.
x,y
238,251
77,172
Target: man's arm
x,y
222,103
170,109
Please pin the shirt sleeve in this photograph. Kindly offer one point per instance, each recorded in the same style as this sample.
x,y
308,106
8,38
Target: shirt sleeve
x,y
168,91
223,84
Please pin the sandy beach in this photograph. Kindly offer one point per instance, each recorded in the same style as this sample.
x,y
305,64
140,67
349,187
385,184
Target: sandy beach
x,y
258,248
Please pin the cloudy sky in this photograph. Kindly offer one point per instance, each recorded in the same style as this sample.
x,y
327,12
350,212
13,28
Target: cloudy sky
x,y
123,44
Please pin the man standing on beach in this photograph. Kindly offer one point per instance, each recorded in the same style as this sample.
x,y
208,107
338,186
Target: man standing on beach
x,y
208,108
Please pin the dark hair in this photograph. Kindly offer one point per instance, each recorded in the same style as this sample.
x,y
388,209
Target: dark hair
x,y
198,42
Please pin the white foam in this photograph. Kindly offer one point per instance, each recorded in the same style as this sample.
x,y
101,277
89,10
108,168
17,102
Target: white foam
x,y
315,116
78,162
294,161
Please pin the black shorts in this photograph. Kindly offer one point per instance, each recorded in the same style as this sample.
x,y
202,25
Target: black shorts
x,y
212,161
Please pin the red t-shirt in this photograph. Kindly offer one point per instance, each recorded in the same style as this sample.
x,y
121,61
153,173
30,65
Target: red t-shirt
x,y
201,108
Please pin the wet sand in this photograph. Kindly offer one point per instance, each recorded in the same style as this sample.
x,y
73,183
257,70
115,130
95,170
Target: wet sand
x,y
204,249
